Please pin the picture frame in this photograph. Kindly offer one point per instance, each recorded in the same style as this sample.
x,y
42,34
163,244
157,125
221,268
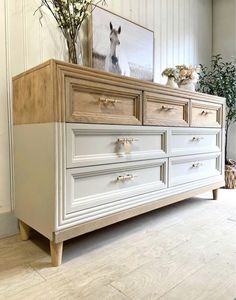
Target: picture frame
x,y
120,46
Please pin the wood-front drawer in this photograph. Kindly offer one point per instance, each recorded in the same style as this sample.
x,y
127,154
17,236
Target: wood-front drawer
x,y
184,141
90,187
192,168
90,145
205,114
95,102
165,110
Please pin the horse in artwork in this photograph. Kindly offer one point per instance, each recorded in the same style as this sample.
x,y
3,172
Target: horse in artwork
x,y
112,60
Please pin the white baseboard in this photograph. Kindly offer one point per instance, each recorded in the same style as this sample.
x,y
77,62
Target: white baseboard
x,y
8,224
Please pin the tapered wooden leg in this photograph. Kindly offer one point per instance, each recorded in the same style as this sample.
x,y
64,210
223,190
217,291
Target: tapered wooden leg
x,y
56,253
24,231
215,194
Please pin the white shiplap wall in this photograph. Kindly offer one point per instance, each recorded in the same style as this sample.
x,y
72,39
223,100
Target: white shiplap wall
x,y
183,31
183,34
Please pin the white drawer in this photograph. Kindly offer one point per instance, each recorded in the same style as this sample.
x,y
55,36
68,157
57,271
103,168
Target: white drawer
x,y
90,187
184,141
191,168
90,145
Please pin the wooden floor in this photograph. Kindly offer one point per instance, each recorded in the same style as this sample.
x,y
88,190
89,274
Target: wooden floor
x,y
182,252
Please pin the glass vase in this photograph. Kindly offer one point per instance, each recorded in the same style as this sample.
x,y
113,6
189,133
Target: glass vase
x,y
75,51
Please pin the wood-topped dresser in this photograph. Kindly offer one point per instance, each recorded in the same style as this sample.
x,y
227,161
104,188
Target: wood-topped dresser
x,y
92,149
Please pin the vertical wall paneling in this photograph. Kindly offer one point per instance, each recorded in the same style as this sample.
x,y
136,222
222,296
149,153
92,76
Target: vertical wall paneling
x,y
181,32
169,32
32,33
142,12
164,40
16,37
187,32
149,14
5,204
158,38
205,32
175,23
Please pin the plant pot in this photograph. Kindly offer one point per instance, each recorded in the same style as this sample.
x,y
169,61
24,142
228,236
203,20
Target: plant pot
x,y
172,83
188,85
230,176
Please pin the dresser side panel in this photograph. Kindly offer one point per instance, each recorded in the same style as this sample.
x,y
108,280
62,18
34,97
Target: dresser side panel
x,y
33,96
35,164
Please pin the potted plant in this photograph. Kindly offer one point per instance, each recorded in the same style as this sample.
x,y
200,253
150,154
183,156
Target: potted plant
x,y
172,75
220,80
70,15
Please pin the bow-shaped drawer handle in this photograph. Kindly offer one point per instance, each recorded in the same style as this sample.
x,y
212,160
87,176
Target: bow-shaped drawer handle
x,y
126,177
206,113
108,100
197,139
126,140
197,165
167,108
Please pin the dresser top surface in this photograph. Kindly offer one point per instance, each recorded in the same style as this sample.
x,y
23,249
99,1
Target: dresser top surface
x,y
77,70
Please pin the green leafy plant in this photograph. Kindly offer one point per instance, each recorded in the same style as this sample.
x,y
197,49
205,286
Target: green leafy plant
x,y
69,15
220,80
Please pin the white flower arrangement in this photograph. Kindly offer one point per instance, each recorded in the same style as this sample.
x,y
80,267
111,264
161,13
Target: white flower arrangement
x,y
183,74
188,73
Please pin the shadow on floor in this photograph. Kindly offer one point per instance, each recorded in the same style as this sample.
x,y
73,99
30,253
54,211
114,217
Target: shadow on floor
x,y
89,242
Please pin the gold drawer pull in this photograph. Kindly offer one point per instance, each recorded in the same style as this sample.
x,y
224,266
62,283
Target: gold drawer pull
x,y
126,177
197,165
197,139
108,100
168,108
126,140
206,113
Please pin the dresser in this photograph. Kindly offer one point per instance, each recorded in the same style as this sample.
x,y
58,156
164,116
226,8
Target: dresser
x,y
92,149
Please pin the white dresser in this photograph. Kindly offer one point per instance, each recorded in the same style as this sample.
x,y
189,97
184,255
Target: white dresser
x,y
92,149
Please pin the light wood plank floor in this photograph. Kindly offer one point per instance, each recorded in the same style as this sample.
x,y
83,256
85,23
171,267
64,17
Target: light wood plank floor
x,y
186,251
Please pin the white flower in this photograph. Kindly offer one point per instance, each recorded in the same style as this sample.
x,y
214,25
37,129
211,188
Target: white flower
x,y
71,8
78,6
195,76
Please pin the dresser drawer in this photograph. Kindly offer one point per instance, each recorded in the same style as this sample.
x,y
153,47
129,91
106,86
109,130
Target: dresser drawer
x,y
91,187
94,102
165,110
191,168
90,145
184,141
206,114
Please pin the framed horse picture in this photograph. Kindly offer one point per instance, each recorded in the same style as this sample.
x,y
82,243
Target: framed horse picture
x,y
120,46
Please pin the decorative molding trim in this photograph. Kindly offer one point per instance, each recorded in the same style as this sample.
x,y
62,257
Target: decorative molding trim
x,y
9,103
204,168
196,147
115,153
87,215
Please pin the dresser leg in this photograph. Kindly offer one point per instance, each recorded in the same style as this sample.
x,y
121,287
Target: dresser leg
x,y
56,253
215,194
24,231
